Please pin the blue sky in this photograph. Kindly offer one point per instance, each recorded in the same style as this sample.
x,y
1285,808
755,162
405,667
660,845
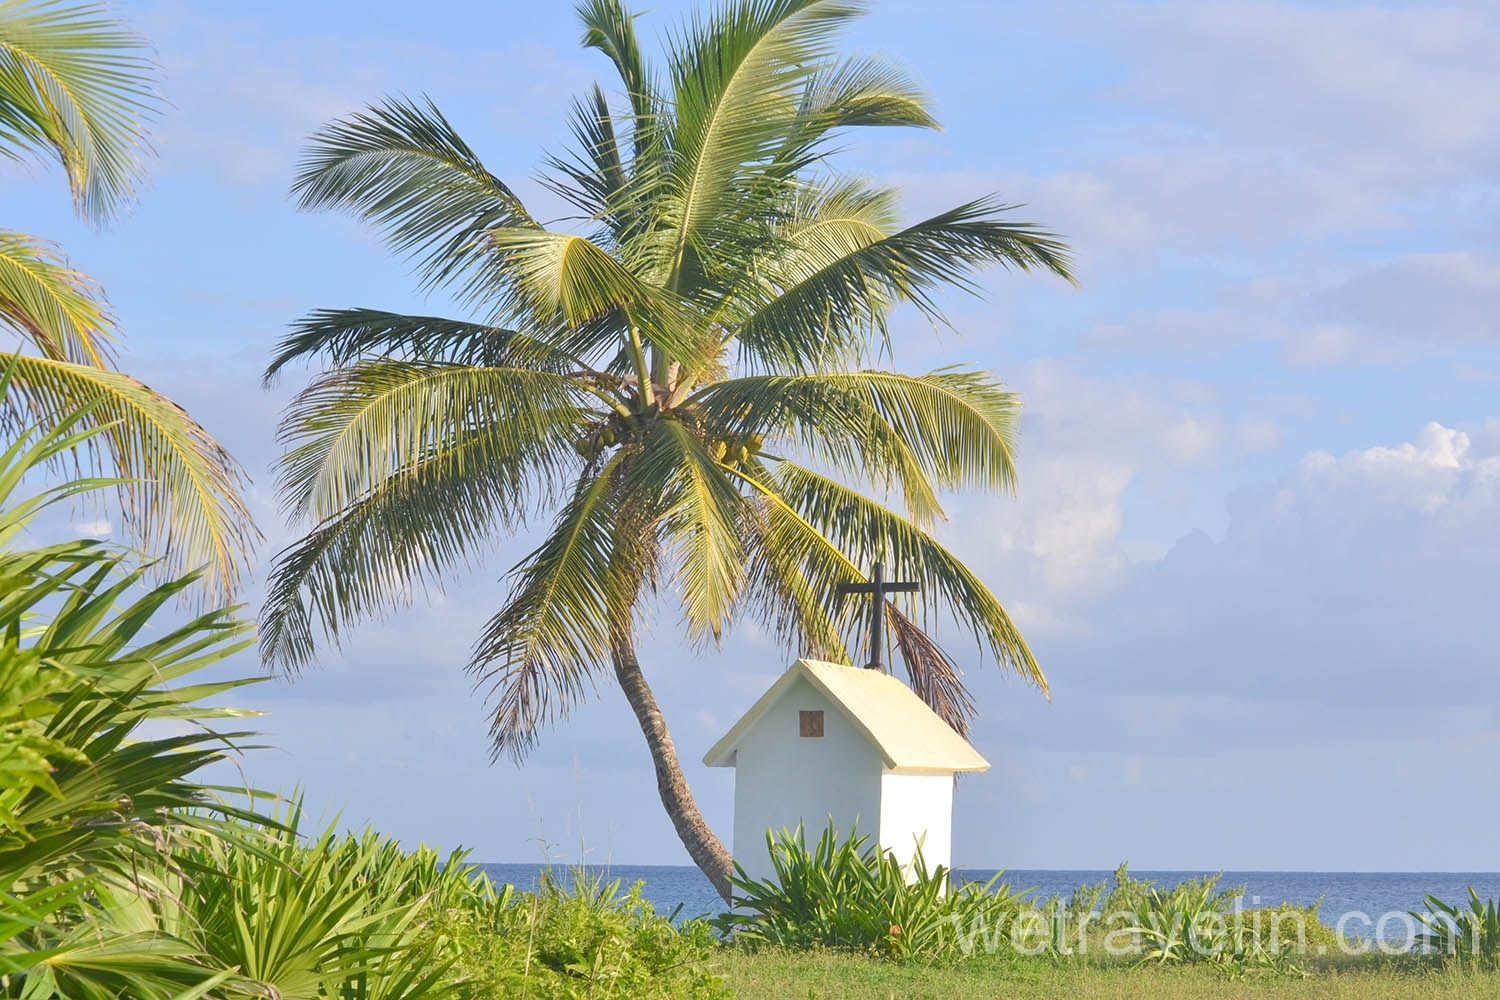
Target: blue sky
x,y
1255,541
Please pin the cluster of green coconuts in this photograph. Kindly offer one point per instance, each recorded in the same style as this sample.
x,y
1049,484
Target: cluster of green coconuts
x,y
728,450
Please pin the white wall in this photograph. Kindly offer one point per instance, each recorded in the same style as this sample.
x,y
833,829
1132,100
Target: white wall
x,y
913,806
782,778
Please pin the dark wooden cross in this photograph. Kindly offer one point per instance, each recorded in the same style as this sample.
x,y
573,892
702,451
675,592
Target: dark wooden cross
x,y
877,588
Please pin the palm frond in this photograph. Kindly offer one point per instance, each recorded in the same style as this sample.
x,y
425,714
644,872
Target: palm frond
x,y
610,28
594,179
542,652
860,92
181,489
57,308
737,77
867,531
792,574
867,92
950,429
404,169
601,182
934,676
698,512
399,540
561,278
405,469
827,317
354,428
78,86
342,336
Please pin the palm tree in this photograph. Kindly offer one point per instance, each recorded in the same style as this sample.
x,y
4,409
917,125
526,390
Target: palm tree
x,y
76,87
682,386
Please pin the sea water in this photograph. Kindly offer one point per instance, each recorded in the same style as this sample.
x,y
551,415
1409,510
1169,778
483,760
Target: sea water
x,y
687,892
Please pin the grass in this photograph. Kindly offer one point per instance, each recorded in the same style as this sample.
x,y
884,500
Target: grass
x,y
794,975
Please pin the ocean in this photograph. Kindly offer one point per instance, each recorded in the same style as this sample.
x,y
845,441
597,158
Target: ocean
x,y
1372,894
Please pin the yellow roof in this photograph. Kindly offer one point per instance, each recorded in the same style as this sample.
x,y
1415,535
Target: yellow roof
x,y
908,734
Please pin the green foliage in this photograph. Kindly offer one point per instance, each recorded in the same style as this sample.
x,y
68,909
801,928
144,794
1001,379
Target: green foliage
x,y
99,745
846,894
122,876
340,916
1468,937
590,940
1196,922
1123,891
1300,926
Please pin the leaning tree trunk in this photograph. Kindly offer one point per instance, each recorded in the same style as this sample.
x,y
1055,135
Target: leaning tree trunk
x,y
702,846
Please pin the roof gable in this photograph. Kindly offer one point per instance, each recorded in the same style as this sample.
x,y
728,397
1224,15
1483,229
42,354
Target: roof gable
x,y
909,735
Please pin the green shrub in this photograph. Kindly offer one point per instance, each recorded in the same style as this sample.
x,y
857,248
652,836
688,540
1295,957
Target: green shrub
x,y
1198,923
344,916
591,940
849,895
94,789
1291,923
1194,921
1468,938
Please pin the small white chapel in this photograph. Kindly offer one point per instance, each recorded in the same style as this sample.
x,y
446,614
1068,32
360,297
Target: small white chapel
x,y
848,743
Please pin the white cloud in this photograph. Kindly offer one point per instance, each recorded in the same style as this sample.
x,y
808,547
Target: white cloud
x,y
1390,96
1258,434
1429,297
97,528
1087,440
1361,578
1319,345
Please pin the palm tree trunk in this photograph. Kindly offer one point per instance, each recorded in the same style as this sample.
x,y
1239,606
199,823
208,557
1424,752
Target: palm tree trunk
x,y
702,846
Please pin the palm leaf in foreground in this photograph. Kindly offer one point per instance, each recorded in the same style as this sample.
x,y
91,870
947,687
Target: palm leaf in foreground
x,y
102,747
